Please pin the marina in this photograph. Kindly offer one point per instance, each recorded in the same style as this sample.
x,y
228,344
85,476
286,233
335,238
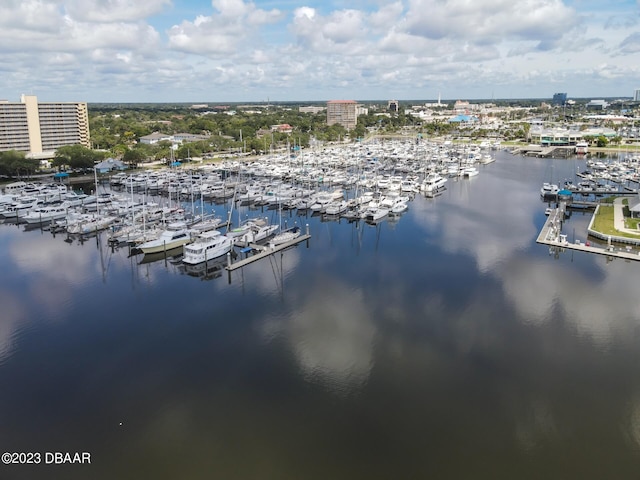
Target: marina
x,y
163,210
383,346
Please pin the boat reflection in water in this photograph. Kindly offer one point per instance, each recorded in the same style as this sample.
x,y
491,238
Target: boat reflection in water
x,y
206,270
173,255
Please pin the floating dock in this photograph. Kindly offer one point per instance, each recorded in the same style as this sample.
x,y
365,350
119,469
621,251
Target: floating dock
x,y
550,235
264,251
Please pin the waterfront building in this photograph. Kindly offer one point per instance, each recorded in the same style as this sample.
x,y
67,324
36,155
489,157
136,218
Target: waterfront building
x,y
556,137
342,112
39,128
109,165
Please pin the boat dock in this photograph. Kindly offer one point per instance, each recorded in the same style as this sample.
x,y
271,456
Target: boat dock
x,y
544,151
264,251
551,235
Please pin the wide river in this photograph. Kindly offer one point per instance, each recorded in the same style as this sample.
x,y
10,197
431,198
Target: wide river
x,y
444,345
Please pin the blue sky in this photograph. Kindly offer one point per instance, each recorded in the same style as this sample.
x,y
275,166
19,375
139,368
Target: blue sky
x,y
234,50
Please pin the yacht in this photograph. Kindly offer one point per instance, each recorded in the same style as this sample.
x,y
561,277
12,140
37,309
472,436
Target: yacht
x,y
469,172
208,245
174,236
582,148
46,213
433,182
20,208
548,189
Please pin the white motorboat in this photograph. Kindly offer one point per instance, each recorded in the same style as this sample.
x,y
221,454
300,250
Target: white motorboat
x,y
75,199
86,223
209,244
336,207
398,208
174,236
375,213
14,188
469,172
433,182
256,233
20,208
245,226
549,189
46,213
285,236
204,224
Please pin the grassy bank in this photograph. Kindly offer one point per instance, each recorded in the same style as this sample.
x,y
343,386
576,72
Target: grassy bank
x,y
603,222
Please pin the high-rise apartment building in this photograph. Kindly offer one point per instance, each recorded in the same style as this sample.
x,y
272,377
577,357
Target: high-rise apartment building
x,y
40,128
636,95
342,112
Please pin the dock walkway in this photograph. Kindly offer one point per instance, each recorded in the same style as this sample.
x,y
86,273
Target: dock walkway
x,y
264,251
550,235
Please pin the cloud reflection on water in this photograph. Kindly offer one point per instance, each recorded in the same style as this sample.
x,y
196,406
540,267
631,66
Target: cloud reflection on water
x,y
478,219
331,333
13,320
598,308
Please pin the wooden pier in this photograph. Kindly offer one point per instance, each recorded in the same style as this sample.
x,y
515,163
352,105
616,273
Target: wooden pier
x,y
264,251
550,235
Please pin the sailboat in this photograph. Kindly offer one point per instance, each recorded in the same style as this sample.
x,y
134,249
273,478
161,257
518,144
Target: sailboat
x,y
286,235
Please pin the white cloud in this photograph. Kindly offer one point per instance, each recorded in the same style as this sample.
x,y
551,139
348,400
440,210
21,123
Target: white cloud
x,y
488,21
301,52
223,32
113,10
38,16
343,32
631,44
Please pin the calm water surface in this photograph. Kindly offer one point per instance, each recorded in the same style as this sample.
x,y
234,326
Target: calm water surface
x,y
447,344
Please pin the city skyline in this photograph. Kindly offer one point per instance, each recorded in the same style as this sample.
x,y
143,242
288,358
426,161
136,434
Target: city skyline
x,y
160,51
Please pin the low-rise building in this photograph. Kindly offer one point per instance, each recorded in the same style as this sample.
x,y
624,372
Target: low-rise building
x,y
555,137
155,137
282,128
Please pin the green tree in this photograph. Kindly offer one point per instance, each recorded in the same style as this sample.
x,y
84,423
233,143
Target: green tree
x,y
133,157
14,163
602,141
76,156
